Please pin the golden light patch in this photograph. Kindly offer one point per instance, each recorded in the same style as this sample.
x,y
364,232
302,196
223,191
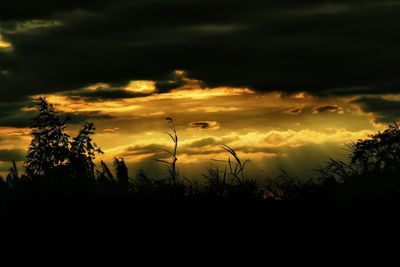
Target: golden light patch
x,y
3,43
213,109
255,146
206,93
292,138
145,87
300,95
7,147
14,138
180,73
395,97
11,131
147,106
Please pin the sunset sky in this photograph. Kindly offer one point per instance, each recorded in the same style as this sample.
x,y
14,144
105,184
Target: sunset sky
x,y
286,83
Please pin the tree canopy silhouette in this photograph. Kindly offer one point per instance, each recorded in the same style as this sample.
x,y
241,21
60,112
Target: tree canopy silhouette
x,y
380,152
83,152
49,147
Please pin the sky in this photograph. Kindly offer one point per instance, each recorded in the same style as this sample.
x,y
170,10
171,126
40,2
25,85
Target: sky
x,y
286,83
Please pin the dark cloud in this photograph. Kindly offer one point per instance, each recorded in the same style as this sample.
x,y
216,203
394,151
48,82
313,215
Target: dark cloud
x,y
324,47
204,124
11,114
12,154
81,117
23,119
19,119
171,82
385,110
328,108
104,94
19,114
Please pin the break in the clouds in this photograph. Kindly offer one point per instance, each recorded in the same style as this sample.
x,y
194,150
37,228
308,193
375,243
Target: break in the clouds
x,y
323,47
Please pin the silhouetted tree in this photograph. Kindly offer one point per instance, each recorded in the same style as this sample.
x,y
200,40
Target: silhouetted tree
x,y
49,147
12,176
83,152
380,152
121,171
105,175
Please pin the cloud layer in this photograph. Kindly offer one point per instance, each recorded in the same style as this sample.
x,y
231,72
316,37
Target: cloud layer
x,y
324,47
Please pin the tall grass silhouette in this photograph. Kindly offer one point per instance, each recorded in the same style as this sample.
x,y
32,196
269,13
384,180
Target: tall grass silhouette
x,y
174,174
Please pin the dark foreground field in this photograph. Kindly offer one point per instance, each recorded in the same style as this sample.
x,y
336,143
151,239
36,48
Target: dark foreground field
x,y
58,199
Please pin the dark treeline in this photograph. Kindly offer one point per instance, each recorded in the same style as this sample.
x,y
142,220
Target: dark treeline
x,y
61,180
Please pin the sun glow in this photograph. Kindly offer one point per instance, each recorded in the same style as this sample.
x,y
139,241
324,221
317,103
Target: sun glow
x,y
3,43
